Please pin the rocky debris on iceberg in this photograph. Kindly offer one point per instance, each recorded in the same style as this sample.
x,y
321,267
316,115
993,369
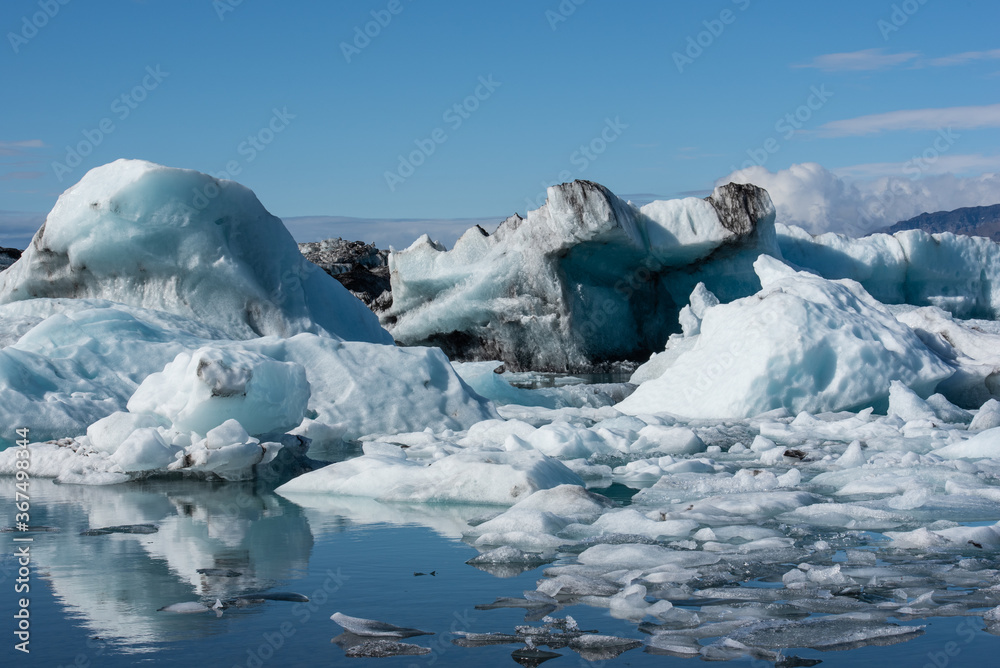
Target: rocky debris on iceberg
x,y
8,256
803,343
585,280
130,333
361,268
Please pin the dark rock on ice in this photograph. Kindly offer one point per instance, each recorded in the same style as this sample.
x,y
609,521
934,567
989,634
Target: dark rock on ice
x,y
361,268
8,256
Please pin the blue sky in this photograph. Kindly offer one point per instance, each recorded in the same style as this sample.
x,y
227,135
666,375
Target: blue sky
x,y
269,90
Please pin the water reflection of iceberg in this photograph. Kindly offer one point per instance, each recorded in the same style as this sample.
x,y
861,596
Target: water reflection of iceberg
x,y
115,583
331,512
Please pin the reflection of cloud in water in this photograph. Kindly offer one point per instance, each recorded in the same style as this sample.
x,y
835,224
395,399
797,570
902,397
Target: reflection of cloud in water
x,y
329,512
115,583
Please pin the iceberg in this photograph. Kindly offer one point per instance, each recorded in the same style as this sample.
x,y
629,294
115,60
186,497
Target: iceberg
x,y
803,343
129,232
585,280
136,323
954,272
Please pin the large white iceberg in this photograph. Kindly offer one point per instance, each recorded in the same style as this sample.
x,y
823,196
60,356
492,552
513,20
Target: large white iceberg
x,y
803,343
133,232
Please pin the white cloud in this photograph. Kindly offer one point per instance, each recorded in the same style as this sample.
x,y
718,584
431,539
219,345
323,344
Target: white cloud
x,y
963,58
818,200
940,164
18,147
956,118
879,59
854,61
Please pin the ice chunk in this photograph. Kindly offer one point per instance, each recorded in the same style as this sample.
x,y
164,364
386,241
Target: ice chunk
x,y
535,520
982,445
988,417
83,363
827,633
961,537
625,556
489,477
507,555
144,450
199,391
801,343
191,607
852,457
482,377
691,316
568,442
108,433
667,440
947,411
905,403
372,628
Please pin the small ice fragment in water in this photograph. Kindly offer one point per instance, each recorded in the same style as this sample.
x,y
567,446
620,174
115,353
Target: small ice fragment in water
x,y
373,628
186,608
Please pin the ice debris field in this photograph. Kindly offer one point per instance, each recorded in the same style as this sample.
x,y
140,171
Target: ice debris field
x,y
824,429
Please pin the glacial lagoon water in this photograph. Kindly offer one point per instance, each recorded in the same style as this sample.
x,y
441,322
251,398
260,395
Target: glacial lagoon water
x,y
95,599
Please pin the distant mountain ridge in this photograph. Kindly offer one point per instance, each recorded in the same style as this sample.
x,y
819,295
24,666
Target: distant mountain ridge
x,y
973,221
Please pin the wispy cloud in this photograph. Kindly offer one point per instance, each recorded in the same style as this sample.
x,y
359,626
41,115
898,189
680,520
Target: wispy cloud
x,y
12,176
19,147
881,59
853,61
955,118
963,58
972,163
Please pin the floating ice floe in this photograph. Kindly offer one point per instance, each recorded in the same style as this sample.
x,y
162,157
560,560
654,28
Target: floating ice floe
x,y
474,476
372,628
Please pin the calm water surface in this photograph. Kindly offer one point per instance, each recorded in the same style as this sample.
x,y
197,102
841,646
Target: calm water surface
x,y
94,599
